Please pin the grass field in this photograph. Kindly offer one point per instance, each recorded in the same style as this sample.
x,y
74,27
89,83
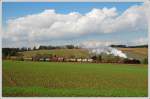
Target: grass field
x,y
74,79
137,53
59,52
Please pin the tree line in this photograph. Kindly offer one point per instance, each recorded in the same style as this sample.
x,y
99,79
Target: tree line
x,y
14,51
125,46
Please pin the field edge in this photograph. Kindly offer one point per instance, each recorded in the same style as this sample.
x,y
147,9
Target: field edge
x,y
72,92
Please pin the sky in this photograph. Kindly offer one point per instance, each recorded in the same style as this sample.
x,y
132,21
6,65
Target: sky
x,y
49,23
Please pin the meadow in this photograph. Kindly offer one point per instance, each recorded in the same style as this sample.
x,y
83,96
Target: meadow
x,y
137,53
25,78
58,52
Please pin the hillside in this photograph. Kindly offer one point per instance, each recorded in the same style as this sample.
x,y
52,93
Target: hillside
x,y
59,52
138,53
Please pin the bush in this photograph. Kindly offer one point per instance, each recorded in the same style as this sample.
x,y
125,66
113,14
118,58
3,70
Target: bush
x,y
145,61
131,61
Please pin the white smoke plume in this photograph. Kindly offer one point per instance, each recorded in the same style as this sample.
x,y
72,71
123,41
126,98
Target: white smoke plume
x,y
98,47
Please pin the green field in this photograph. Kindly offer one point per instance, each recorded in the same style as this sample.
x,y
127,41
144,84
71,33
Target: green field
x,y
59,52
137,53
22,78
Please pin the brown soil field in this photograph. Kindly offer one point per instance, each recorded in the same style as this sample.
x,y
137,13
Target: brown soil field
x,y
139,53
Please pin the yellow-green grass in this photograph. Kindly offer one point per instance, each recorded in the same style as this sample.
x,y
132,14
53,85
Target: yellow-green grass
x,y
138,53
59,52
22,78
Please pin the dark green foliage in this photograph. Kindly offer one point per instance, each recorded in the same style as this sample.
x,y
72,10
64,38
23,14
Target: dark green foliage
x,y
131,61
94,57
70,46
99,58
49,47
34,48
121,46
145,61
125,46
9,52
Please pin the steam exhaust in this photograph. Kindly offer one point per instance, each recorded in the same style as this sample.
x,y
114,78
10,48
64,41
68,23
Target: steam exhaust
x,y
100,47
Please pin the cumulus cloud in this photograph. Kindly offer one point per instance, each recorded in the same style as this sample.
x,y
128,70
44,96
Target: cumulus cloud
x,y
139,41
95,44
49,25
99,47
100,43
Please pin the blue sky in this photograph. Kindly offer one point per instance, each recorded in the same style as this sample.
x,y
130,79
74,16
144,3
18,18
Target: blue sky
x,y
14,10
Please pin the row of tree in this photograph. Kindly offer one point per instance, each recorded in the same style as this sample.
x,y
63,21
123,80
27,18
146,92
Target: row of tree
x,y
14,51
125,46
10,51
50,47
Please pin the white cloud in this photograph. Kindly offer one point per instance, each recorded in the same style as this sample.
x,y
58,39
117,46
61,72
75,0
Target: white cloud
x,y
139,41
100,43
49,25
95,44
